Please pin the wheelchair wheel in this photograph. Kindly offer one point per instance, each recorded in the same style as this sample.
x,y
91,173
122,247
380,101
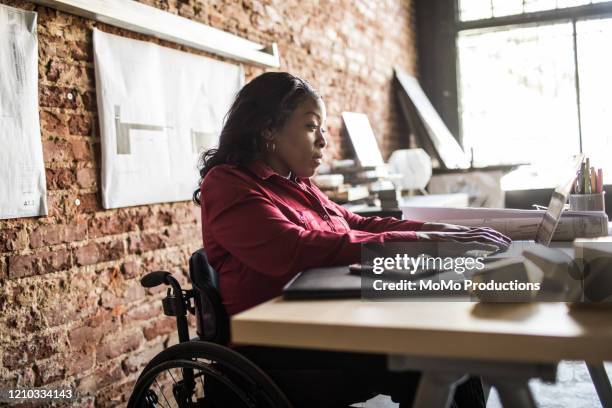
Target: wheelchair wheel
x,y
204,375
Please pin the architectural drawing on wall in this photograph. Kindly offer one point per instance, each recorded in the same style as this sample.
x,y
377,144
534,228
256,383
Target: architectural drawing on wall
x,y
123,131
200,140
158,108
22,171
203,137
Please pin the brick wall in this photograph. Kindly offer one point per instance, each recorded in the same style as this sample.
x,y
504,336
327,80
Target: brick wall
x,y
71,307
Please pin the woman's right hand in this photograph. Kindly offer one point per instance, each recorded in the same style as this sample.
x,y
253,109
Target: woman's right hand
x,y
472,239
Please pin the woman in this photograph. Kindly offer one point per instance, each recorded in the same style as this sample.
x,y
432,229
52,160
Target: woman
x,y
263,222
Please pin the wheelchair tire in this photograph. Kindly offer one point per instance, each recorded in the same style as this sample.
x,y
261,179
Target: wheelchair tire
x,y
222,378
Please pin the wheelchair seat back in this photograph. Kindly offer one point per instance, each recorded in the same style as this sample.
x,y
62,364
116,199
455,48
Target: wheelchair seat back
x,y
212,321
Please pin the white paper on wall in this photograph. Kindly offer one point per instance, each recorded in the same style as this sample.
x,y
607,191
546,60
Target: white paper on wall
x,y
159,108
22,171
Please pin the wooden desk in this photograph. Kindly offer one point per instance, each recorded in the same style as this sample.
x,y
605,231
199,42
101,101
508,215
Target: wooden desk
x,y
506,344
545,332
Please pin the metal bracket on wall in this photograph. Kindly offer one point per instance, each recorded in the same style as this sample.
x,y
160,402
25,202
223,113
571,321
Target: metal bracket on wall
x,y
145,19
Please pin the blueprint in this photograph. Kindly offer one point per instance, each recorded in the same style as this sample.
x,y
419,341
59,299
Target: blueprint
x,y
22,170
159,109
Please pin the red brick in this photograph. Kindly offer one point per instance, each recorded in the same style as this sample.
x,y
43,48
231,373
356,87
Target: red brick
x,y
157,220
39,263
50,96
184,234
137,361
29,350
61,313
105,225
159,327
88,100
118,346
94,252
80,150
68,74
80,125
144,311
86,177
20,266
89,203
88,336
57,150
88,254
56,203
81,51
53,124
3,275
116,395
146,242
13,239
79,362
49,371
185,215
25,320
133,291
60,179
131,269
56,260
56,234
101,378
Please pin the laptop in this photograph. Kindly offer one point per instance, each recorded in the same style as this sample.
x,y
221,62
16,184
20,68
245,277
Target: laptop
x,y
550,220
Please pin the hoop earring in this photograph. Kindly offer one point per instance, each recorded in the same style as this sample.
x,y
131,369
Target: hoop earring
x,y
271,149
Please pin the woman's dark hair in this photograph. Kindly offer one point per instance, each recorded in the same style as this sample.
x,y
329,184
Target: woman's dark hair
x,y
263,104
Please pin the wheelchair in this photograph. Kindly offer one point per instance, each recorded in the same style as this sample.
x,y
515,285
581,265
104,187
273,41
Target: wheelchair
x,y
202,372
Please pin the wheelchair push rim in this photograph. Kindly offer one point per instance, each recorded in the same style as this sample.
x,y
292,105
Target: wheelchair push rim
x,y
189,365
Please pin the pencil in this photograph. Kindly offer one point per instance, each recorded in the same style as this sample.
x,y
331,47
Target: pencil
x,y
599,181
586,179
593,181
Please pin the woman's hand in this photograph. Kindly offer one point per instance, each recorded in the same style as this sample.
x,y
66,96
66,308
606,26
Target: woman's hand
x,y
477,237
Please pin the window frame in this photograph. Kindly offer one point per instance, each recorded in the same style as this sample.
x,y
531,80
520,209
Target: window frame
x,y
568,14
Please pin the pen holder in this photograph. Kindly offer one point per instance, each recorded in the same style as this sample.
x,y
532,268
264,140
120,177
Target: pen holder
x,y
587,202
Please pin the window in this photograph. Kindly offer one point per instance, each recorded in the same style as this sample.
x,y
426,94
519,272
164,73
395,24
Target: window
x,y
535,80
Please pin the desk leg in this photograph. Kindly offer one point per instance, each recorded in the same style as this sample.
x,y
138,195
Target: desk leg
x,y
514,394
440,376
436,389
486,388
602,383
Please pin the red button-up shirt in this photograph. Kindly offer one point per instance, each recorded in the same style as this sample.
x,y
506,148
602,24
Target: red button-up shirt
x,y
260,229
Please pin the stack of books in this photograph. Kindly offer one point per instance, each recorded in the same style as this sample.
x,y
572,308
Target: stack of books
x,y
346,193
389,198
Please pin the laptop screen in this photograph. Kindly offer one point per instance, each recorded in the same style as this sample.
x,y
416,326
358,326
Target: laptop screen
x,y
552,215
